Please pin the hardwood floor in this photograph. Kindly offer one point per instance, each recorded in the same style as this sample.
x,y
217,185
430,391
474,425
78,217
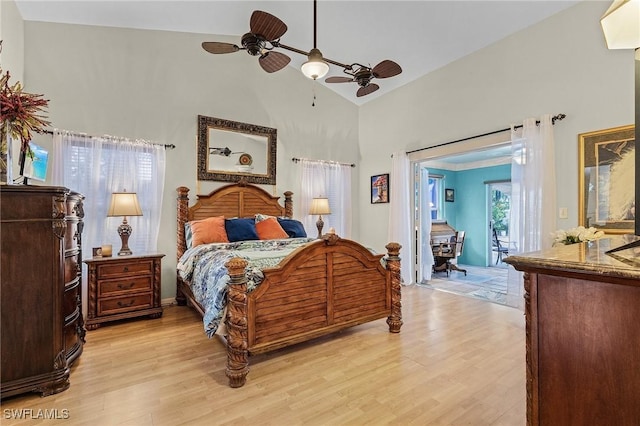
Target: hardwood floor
x,y
457,361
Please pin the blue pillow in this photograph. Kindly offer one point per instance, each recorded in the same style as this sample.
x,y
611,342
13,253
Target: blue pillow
x,y
241,229
292,227
188,234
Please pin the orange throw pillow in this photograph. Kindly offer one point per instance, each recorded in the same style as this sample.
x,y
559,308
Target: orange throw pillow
x,y
270,229
209,230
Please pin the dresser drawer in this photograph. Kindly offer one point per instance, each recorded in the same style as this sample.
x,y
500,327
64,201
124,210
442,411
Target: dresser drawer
x,y
71,268
124,286
125,269
71,235
71,297
124,304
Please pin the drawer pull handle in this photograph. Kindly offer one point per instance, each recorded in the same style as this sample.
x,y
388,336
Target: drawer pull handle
x,y
125,287
125,269
125,305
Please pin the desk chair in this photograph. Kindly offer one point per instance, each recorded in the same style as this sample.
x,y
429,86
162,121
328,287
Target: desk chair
x,y
497,246
444,253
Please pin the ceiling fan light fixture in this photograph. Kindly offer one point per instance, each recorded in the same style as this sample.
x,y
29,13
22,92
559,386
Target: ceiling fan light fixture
x,y
315,67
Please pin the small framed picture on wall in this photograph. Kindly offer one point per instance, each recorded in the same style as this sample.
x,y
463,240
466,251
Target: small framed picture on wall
x,y
449,195
380,188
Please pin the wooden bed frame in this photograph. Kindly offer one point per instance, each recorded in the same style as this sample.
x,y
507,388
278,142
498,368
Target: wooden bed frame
x,y
321,288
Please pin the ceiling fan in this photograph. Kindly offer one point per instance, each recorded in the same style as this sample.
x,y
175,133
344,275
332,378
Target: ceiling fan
x,y
363,75
264,35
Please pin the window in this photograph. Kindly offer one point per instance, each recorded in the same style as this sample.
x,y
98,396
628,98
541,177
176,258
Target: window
x,y
96,167
436,189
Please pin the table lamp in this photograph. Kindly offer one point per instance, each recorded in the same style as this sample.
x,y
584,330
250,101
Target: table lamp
x,y
320,206
124,204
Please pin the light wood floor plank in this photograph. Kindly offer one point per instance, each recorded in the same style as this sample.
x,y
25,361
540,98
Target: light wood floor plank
x,y
457,361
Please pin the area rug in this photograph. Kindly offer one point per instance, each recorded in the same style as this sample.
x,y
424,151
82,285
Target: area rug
x,y
460,276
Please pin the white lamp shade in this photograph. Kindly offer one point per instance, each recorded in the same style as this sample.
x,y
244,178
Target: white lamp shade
x,y
124,204
315,67
621,24
320,206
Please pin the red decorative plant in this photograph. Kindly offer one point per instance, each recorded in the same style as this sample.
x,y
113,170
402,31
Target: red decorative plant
x,y
20,113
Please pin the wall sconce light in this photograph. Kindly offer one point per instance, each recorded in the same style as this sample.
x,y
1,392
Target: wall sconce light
x,y
124,204
320,206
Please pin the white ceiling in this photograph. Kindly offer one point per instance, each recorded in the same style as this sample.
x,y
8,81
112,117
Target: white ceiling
x,y
421,36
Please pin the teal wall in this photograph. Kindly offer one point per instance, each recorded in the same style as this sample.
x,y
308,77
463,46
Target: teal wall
x,y
469,211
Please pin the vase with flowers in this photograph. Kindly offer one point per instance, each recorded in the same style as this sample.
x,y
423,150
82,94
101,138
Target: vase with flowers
x,y
21,113
576,235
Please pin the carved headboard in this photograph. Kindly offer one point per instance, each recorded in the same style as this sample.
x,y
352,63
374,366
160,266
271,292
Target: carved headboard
x,y
236,200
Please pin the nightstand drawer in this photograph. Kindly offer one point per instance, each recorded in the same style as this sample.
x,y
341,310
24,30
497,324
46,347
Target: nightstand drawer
x,y
124,304
125,269
108,288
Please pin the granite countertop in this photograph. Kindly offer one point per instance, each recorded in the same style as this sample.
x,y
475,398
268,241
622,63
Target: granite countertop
x,y
587,258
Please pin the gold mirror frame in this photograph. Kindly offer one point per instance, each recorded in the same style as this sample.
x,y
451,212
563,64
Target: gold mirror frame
x,y
226,145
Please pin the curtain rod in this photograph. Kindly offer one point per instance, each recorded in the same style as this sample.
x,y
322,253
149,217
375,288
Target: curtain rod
x,y
166,146
553,121
296,160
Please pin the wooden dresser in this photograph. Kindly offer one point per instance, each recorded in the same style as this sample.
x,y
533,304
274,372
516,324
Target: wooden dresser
x,y
582,310
41,328
123,287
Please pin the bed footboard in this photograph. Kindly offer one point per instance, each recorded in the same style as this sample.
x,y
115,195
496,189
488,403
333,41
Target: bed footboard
x,y
322,288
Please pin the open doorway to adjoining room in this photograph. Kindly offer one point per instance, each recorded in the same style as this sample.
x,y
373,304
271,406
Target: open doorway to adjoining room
x,y
471,194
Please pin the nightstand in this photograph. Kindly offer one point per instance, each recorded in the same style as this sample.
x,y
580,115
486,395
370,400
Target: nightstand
x,y
121,287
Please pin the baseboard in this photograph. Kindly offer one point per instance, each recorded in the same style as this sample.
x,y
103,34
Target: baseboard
x,y
168,302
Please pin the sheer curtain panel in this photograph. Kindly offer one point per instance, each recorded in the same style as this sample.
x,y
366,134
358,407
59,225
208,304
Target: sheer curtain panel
x,y
533,195
400,212
98,166
330,180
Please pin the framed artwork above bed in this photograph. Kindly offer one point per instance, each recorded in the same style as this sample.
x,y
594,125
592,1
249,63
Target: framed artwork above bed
x,y
229,151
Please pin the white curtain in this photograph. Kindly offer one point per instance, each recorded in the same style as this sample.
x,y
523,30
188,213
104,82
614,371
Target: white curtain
x,y
325,179
425,250
400,212
533,195
98,166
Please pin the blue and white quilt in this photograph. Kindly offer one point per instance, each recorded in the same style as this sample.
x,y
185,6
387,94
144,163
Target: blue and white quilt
x,y
203,267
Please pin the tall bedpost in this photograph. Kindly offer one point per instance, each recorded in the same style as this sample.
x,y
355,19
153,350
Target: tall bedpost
x,y
236,322
288,204
183,216
393,264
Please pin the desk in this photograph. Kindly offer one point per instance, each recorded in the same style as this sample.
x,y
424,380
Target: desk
x,y
443,246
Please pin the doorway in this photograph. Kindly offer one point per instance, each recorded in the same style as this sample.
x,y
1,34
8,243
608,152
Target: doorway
x,y
499,210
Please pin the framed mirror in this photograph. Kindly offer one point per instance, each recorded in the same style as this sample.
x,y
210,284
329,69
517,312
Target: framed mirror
x,y
229,151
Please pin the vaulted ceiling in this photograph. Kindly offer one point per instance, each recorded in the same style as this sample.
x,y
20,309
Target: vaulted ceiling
x,y
421,36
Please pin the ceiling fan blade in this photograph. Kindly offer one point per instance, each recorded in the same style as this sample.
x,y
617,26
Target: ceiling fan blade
x,y
267,25
273,61
338,80
369,88
217,47
386,69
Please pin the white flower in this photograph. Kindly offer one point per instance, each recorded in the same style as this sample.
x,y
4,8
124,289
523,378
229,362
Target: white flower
x,y
576,235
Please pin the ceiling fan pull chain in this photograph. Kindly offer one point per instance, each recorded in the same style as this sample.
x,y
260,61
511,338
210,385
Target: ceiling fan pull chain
x,y
313,89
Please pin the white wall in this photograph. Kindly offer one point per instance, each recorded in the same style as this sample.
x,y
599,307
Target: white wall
x,y
560,65
153,85
12,56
